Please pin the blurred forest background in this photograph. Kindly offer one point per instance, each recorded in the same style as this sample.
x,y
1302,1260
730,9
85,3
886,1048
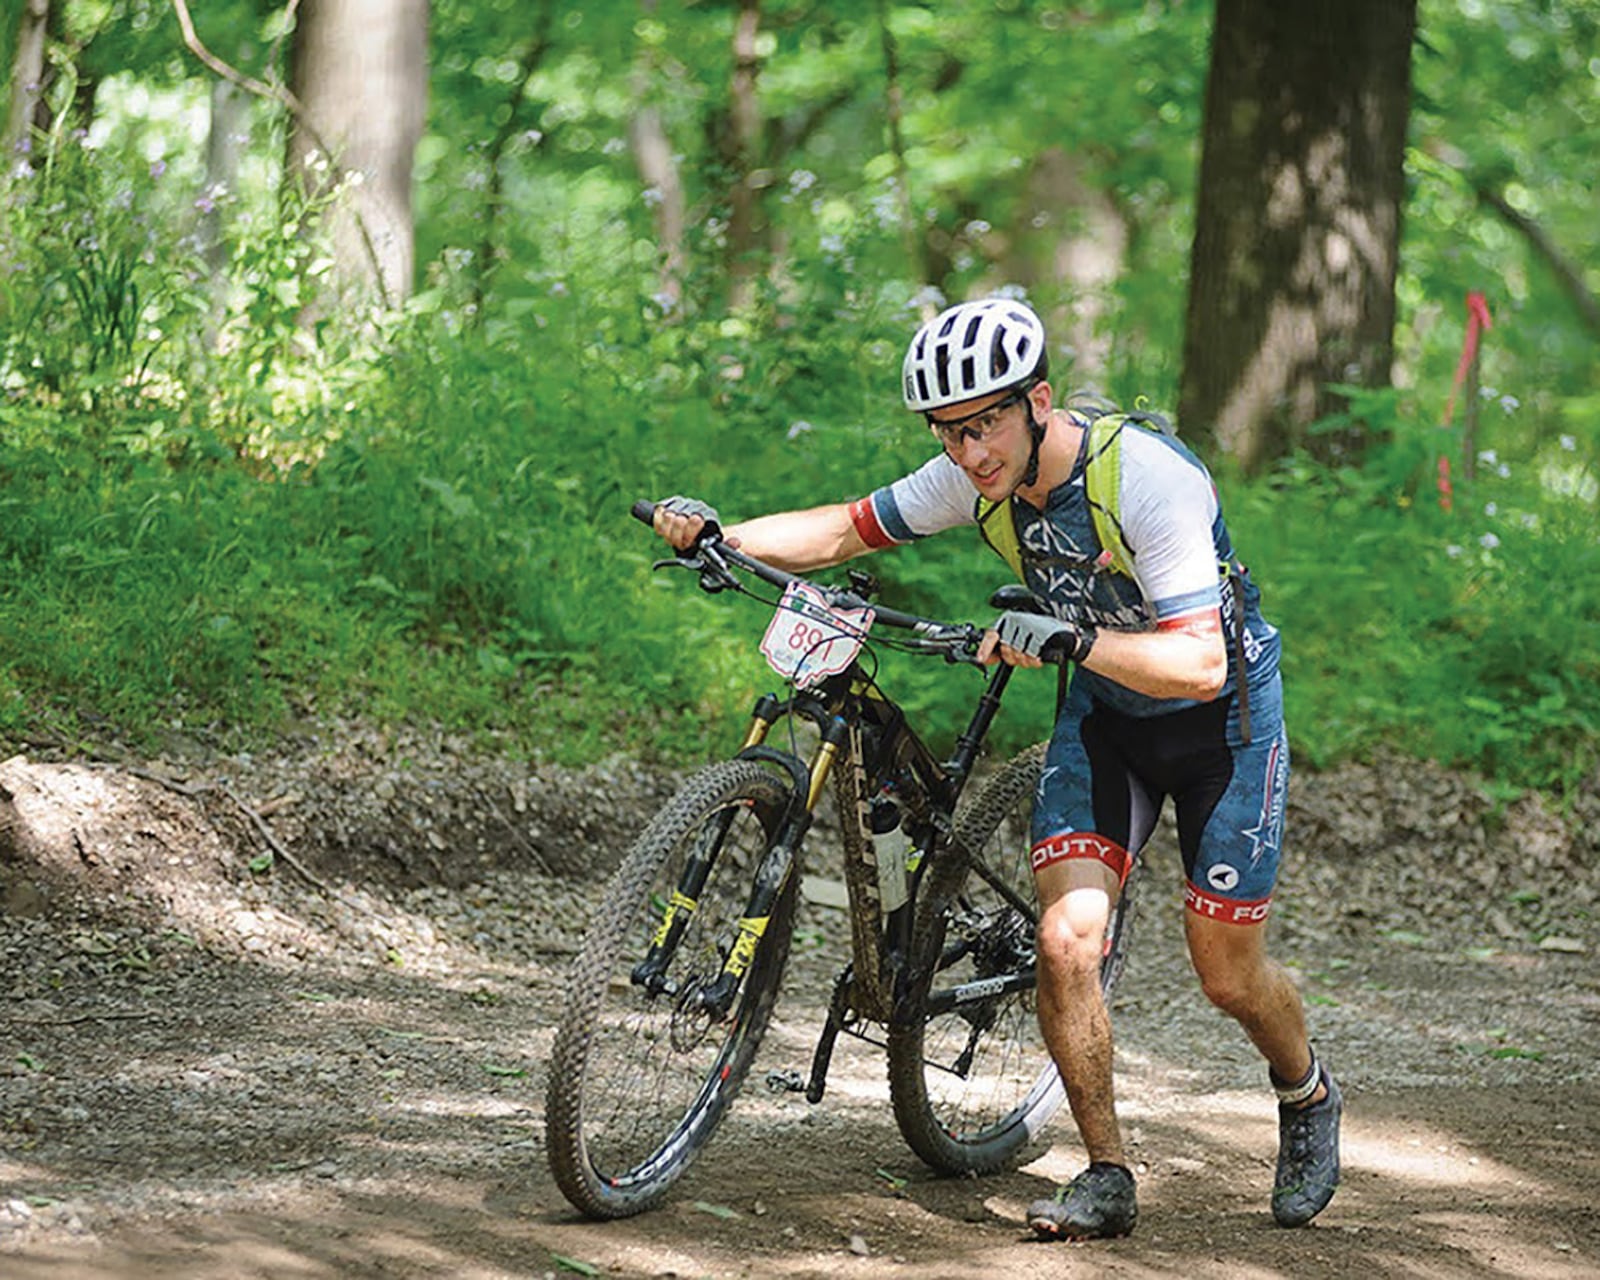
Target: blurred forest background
x,y
336,338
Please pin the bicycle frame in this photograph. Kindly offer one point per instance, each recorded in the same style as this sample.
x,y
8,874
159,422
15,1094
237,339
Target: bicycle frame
x,y
868,735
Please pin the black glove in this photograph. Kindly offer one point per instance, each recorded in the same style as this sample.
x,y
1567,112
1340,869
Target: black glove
x,y
681,506
1048,639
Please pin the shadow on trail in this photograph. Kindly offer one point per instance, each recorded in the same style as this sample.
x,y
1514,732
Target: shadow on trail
x,y
320,1115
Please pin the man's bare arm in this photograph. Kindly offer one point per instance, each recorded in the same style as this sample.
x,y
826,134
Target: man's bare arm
x,y
801,541
798,541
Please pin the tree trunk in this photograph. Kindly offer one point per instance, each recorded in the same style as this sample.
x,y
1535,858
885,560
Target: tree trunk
x,y
27,78
658,170
225,147
489,252
746,231
1297,221
1071,233
359,70
894,115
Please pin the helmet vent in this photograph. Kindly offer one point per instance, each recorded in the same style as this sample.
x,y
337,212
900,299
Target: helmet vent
x,y
999,362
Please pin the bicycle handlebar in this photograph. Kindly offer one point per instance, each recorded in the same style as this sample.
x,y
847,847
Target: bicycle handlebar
x,y
944,637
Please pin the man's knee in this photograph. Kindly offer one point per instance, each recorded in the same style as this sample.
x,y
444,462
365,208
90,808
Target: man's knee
x,y
1071,942
1076,888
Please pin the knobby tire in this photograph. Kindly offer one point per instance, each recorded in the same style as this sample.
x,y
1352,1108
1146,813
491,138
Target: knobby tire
x,y
638,1082
973,1085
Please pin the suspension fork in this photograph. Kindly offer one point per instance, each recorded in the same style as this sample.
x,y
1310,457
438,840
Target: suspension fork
x,y
650,972
717,997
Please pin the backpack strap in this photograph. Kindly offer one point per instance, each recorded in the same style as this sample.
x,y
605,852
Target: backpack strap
x,y
1102,483
997,526
1235,576
1102,479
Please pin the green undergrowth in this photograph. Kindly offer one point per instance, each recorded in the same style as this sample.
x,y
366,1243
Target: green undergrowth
x,y
217,521
457,550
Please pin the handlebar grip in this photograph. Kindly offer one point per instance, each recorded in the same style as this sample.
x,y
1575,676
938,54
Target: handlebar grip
x,y
1054,651
644,512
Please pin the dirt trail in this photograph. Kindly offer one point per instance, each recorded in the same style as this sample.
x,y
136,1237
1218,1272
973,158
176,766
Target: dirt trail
x,y
210,1072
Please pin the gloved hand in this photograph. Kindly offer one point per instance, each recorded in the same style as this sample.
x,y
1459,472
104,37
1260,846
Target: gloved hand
x,y
674,521
1048,639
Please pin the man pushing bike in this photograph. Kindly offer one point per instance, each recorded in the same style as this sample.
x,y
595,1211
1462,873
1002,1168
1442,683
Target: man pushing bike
x,y
1115,528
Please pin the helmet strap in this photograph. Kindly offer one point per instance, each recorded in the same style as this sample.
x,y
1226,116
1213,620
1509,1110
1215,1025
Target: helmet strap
x,y
1036,430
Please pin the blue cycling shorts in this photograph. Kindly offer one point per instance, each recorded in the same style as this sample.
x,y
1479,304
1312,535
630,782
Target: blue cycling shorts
x,y
1107,774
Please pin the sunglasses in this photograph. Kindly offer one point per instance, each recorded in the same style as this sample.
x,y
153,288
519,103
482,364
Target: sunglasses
x,y
980,426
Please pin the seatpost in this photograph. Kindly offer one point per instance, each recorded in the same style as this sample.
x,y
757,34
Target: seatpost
x,y
966,753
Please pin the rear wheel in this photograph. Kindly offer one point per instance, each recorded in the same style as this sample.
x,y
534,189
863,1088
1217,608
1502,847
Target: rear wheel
x,y
641,1074
972,1082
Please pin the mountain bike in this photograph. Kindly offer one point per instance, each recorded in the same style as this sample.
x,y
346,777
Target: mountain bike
x,y
675,983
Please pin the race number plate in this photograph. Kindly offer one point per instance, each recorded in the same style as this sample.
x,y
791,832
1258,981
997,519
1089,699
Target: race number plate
x,y
808,639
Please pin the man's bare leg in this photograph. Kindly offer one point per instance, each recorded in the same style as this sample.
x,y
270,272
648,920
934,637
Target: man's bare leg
x,y
1076,900
1240,979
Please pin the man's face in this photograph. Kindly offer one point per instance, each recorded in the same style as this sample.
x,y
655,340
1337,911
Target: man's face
x,y
988,439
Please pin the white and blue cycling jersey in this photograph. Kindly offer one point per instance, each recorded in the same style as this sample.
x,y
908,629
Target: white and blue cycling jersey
x,y
1172,524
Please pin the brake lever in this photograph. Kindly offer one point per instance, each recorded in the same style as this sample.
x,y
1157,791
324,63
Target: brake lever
x,y
715,575
971,636
967,656
678,562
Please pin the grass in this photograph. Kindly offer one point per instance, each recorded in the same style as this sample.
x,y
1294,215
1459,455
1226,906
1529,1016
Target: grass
x,y
487,577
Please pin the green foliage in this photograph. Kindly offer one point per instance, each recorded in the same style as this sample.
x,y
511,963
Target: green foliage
x,y
214,517
1466,636
90,288
1506,97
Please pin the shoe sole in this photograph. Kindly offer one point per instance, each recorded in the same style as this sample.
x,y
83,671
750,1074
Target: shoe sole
x,y
1047,1230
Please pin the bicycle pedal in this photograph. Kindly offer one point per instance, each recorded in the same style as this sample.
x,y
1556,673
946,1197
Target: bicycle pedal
x,y
785,1082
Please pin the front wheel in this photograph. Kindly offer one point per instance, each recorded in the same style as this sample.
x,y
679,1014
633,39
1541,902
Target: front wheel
x,y
972,1082
641,1073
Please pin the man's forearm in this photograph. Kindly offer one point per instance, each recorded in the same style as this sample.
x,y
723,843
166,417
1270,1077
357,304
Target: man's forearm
x,y
800,541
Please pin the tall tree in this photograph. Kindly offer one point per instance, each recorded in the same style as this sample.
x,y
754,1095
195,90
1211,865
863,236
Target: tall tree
x,y
1070,234
533,54
658,167
27,76
1297,220
358,70
740,137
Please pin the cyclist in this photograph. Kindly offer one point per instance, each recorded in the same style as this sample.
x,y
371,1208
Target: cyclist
x,y
1166,700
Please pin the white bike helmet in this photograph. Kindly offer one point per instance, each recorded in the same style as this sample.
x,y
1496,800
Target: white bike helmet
x,y
972,349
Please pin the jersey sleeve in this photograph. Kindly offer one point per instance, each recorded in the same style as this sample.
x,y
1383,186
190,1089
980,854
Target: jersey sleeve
x,y
934,497
1170,519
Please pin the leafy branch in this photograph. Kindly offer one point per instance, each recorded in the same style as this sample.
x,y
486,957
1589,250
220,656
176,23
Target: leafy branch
x,y
1492,196
286,98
